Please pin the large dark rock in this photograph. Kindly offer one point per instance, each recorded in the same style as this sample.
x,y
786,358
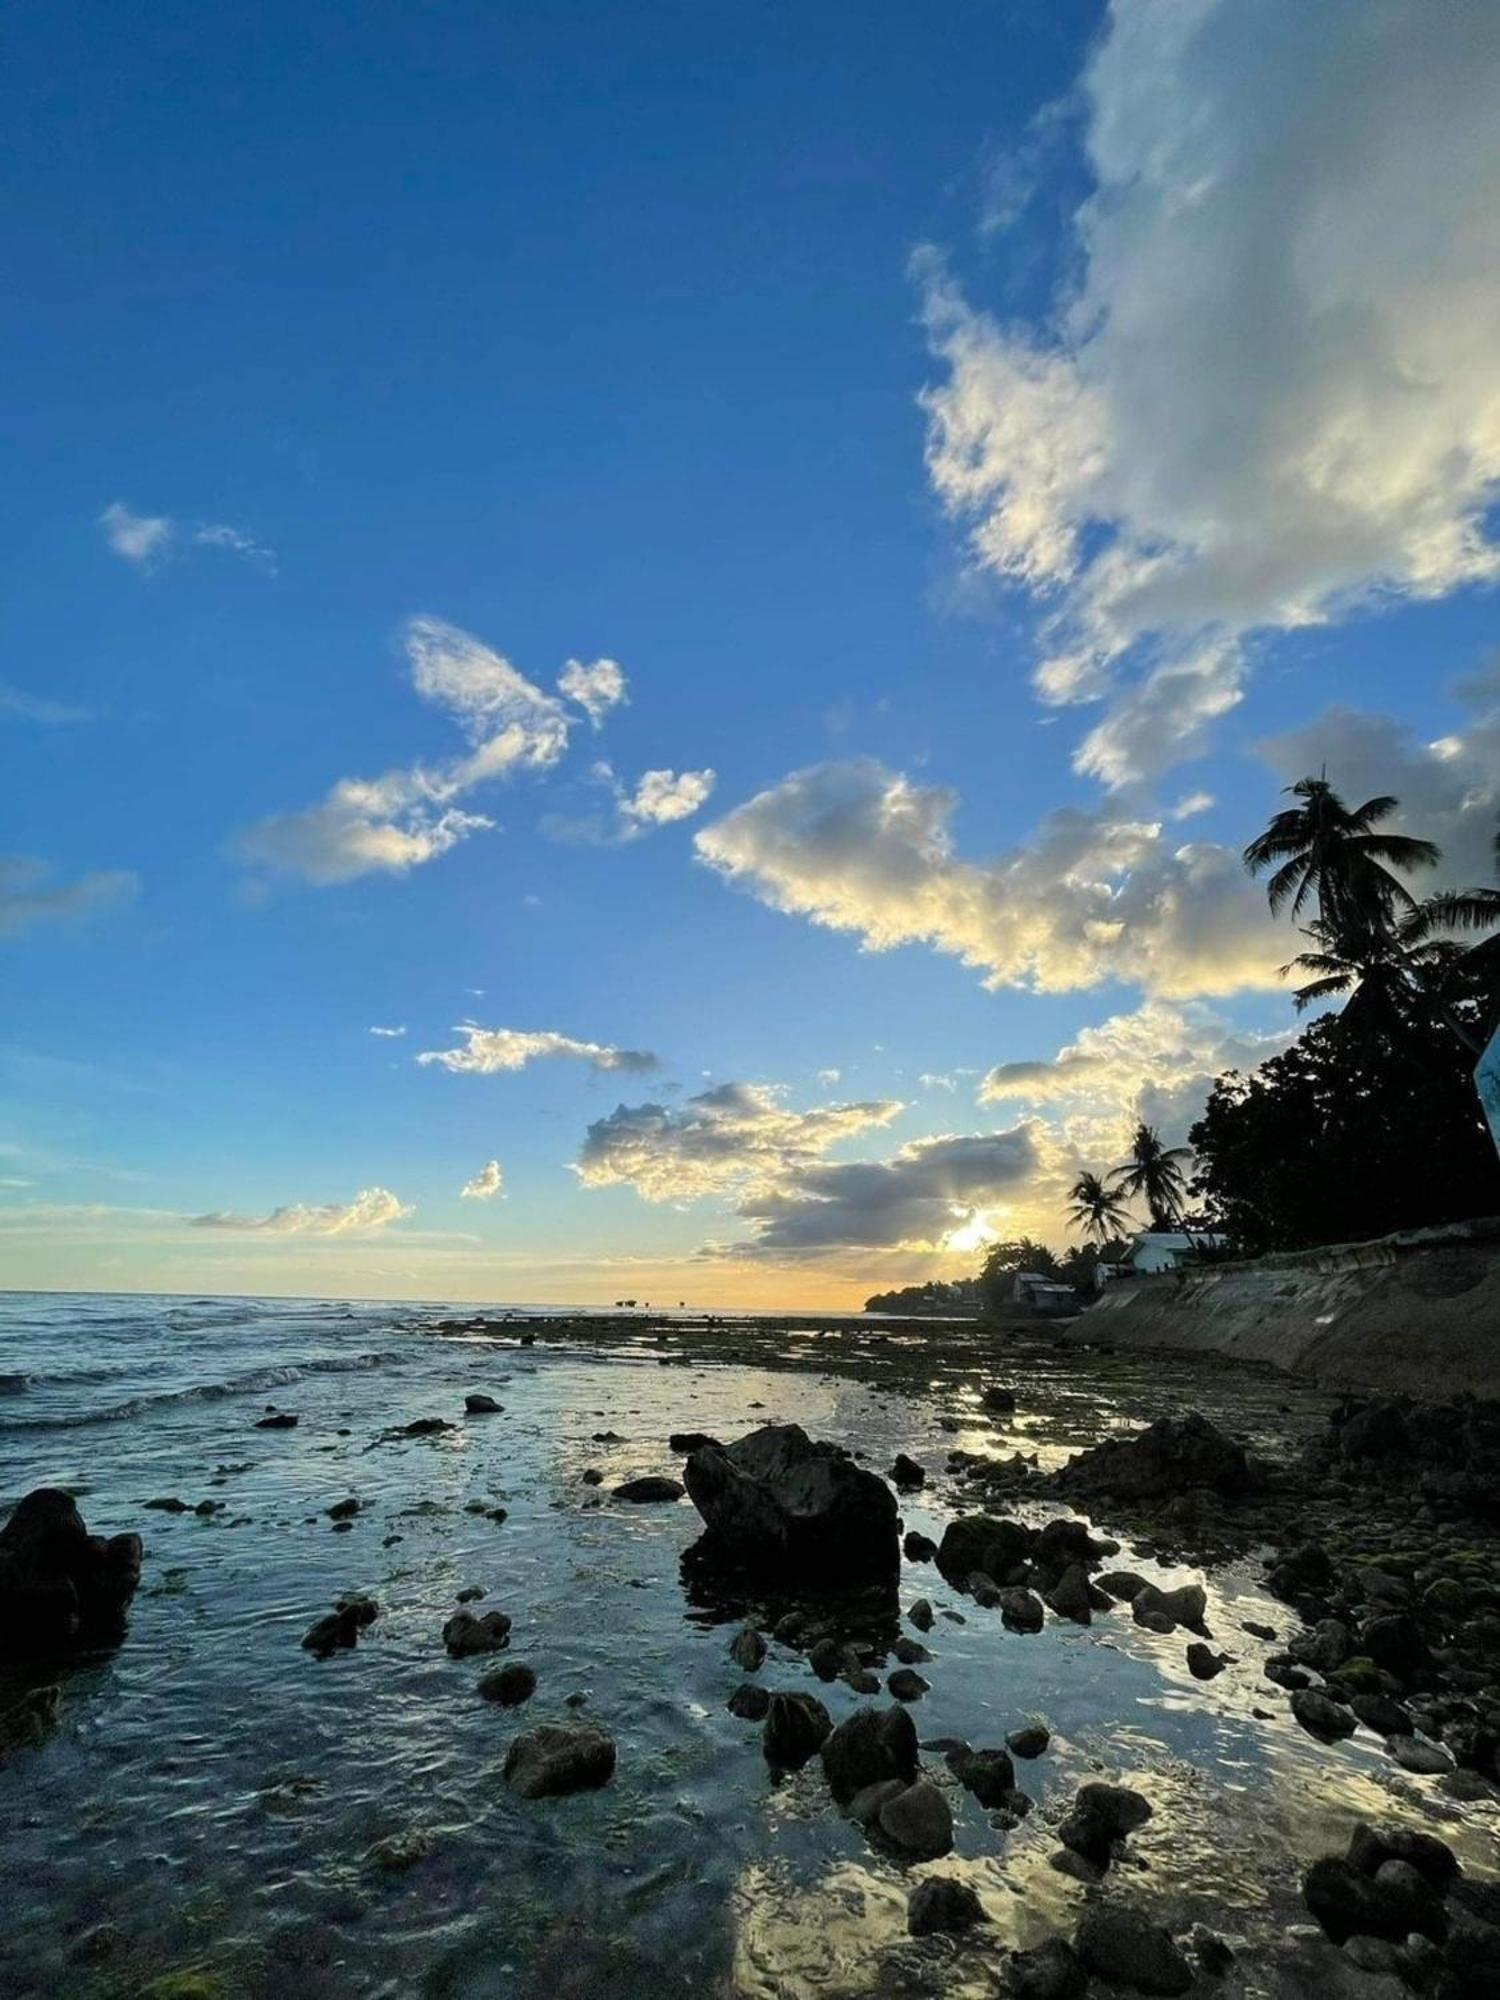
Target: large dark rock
x,y
558,1758
651,1487
1124,1948
62,1590
796,1726
984,1544
797,1512
869,1745
1348,1903
1171,1456
1102,1815
942,1904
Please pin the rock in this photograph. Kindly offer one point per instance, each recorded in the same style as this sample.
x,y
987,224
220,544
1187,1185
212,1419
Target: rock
x,y
1374,1955
918,1548
1394,1641
1427,1760
1380,1713
465,1633
592,1476
1325,1647
1377,1431
471,1594
1121,1946
918,1821
748,1649
1101,1815
1203,1662
1021,1610
1214,1956
651,1487
342,1510
1347,1903
683,1442
864,1807
869,1747
920,1614
826,1659
906,1684
799,1512
339,1631
749,1702
1169,1457
421,1427
910,1652
279,1420
560,1758
170,1505
1069,1596
941,1903
61,1588
1413,1902
796,1725
478,1404
399,1851
988,1774
1306,1572
1431,1857
1051,1972
1185,1605
986,1543
999,1401
510,1685
1321,1717
907,1474
1030,1740
1123,1583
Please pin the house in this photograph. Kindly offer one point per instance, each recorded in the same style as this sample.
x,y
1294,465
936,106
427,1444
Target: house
x,y
1167,1250
1043,1295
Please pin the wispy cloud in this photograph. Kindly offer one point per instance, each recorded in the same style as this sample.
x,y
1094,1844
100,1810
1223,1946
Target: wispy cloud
x,y
40,708
147,540
372,1209
596,686
496,1051
486,1184
389,1034
659,798
29,894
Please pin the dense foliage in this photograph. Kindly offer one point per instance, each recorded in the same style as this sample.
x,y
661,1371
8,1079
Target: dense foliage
x,y
938,1295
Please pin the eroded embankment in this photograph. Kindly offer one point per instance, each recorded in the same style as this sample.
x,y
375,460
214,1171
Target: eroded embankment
x,y
1416,1315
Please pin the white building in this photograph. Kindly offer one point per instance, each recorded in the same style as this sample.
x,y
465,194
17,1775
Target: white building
x,y
1167,1250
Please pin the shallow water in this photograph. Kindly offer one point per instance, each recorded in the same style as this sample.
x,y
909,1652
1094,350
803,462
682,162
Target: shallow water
x,y
212,1794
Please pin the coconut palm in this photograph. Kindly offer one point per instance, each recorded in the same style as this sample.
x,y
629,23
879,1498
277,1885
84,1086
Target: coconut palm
x,y
1336,855
1096,1210
1153,1174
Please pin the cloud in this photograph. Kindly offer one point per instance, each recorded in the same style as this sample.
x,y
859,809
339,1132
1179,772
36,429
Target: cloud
x,y
408,816
38,708
493,1051
147,539
829,1077
659,798
486,1184
389,1034
937,1080
733,1136
371,1209
1272,392
925,1196
856,847
28,894
139,538
597,687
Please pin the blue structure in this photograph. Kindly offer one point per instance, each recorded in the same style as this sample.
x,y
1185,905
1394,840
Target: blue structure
x,y
1487,1083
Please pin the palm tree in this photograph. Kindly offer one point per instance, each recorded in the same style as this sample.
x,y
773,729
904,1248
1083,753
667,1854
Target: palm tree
x,y
1324,849
1153,1174
1430,926
1096,1211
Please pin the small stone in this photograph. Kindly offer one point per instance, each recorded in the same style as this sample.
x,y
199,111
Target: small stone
x,y
749,1702
653,1487
796,1725
1321,1717
279,1420
1051,1972
478,1404
748,1649
920,1614
592,1476
943,1904
999,1401
1203,1662
988,1774
918,1548
910,1652
1120,1945
509,1685
170,1505
907,1685
1022,1610
907,1474
1413,1754
1029,1741
918,1821
399,1851
465,1633
560,1758
342,1510
826,1658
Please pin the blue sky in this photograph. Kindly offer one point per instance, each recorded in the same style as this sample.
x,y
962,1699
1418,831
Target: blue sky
x,y
988,412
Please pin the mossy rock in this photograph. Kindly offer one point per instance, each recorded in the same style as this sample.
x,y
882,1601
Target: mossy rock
x,y
189,1983
1359,1675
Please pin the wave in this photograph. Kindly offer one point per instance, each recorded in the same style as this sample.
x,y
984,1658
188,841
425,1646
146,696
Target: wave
x,y
255,1382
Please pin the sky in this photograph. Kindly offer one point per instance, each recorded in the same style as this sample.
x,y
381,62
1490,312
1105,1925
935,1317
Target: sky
x,y
639,642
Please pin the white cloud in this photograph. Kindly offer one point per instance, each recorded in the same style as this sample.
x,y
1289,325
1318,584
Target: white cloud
x,y
29,895
389,1034
408,816
937,1080
597,686
39,708
145,539
493,1051
659,798
734,1136
1274,391
856,847
829,1077
486,1184
371,1209
139,538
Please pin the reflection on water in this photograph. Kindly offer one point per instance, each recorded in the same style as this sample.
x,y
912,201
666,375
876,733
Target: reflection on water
x,y
215,1797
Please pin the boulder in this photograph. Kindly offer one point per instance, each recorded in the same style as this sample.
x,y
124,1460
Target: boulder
x,y
802,1513
999,1401
920,1614
917,1819
340,1630
651,1487
748,1649
1021,1610
478,1404
683,1442
1185,1605
509,1685
1203,1662
1347,1903
906,1684
1126,1949
749,1702
917,1547
988,1774
869,1746
796,1726
62,1590
1069,1596
278,1420
559,1758
1321,1716
1169,1457
983,1543
907,1474
1030,1740
1101,1815
942,1903
465,1634
1051,1972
